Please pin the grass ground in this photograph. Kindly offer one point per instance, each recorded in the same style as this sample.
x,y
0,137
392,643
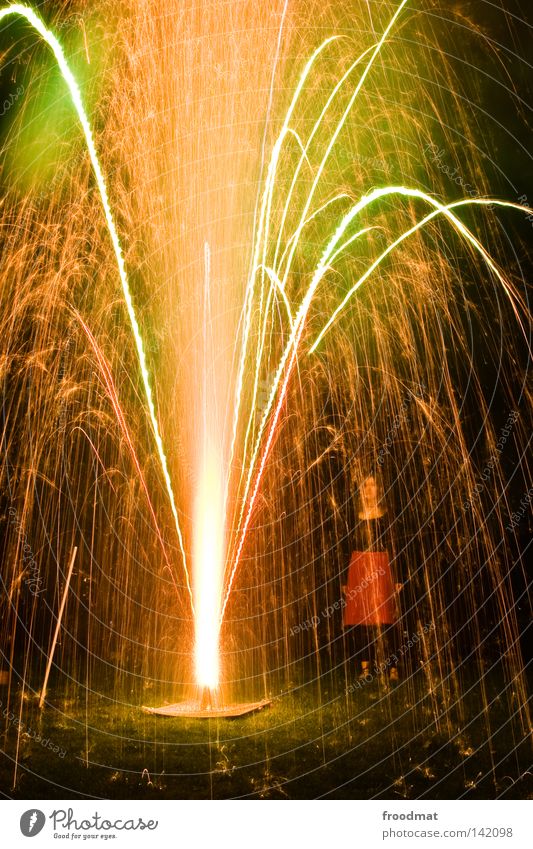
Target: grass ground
x,y
364,744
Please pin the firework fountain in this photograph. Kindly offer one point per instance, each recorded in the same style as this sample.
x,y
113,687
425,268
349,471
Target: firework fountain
x,y
200,439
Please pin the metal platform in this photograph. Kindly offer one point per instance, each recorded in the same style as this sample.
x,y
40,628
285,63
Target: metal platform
x,y
194,710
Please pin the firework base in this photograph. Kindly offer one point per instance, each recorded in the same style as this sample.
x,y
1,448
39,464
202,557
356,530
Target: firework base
x,y
195,710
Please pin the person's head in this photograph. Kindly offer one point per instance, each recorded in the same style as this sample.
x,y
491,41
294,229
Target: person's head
x,y
371,494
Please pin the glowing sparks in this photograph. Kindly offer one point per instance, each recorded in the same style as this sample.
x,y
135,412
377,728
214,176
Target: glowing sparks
x,y
229,474
254,466
439,209
75,94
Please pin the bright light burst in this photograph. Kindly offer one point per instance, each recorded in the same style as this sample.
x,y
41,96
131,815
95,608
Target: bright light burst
x,y
209,514
75,94
208,562
229,480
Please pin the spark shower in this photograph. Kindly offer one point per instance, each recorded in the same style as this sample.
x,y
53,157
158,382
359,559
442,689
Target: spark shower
x,y
203,431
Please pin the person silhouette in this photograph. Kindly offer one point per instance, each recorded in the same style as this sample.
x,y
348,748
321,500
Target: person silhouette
x,y
370,592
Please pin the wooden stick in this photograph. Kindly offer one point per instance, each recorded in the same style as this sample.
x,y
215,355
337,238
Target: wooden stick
x,y
58,625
